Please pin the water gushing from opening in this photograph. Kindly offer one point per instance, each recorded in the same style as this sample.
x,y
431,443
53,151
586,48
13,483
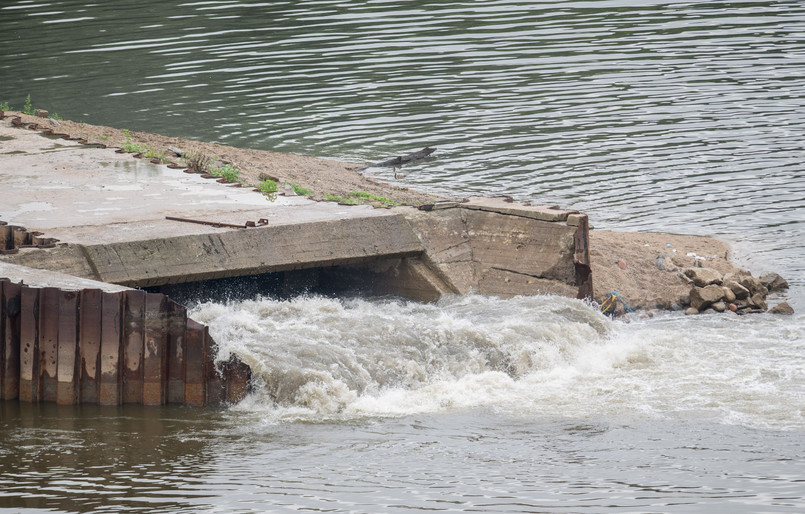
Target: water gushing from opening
x,y
317,358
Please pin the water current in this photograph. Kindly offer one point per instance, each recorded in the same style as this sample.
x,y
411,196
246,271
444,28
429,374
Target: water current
x,y
680,116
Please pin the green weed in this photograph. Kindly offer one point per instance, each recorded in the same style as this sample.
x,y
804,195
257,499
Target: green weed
x,y
301,190
227,171
197,161
130,147
28,108
5,107
370,198
152,153
269,188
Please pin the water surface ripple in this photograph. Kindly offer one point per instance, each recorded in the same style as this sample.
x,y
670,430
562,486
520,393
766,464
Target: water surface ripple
x,y
676,115
661,115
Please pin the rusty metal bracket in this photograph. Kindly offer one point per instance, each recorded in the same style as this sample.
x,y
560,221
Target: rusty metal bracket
x,y
14,237
260,222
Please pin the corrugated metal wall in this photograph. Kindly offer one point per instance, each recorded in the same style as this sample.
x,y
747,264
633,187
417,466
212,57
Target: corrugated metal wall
x,y
92,346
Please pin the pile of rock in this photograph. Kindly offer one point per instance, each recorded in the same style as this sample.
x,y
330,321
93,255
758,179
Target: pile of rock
x,y
737,292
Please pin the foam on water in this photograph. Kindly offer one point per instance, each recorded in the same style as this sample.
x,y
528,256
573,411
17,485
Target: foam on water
x,y
319,358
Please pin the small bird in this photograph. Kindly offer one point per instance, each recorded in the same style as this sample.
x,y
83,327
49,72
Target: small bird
x,y
398,175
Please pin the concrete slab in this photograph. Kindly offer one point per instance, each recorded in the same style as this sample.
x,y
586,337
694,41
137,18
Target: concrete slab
x,y
84,195
36,278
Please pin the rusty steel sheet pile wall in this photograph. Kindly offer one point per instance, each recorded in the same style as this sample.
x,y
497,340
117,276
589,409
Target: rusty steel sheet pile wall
x,y
97,347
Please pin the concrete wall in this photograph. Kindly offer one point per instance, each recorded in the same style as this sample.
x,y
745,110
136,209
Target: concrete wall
x,y
493,247
108,348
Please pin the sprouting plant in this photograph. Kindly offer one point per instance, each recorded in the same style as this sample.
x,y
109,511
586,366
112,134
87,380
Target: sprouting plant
x,y
369,197
227,171
128,146
152,153
268,187
301,190
28,108
56,116
332,198
4,106
197,161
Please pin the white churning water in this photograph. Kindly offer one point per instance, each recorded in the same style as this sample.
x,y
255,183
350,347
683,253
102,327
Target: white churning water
x,y
319,358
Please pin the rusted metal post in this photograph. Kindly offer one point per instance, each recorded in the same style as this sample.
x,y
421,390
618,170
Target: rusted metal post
x,y
10,319
581,258
196,358
111,344
155,351
48,342
66,371
238,377
177,321
133,340
29,345
89,356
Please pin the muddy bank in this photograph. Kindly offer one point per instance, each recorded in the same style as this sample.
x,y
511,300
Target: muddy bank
x,y
669,271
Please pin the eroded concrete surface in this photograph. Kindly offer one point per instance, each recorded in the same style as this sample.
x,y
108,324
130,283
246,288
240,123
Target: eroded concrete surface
x,y
87,195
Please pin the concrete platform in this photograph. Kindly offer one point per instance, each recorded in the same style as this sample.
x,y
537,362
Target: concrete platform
x,y
109,212
85,195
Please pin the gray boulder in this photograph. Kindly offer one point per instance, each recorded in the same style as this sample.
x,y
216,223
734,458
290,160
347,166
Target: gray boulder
x,y
703,297
740,292
781,308
758,301
702,277
754,285
773,281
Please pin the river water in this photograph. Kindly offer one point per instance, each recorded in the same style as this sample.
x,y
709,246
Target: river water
x,y
680,116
